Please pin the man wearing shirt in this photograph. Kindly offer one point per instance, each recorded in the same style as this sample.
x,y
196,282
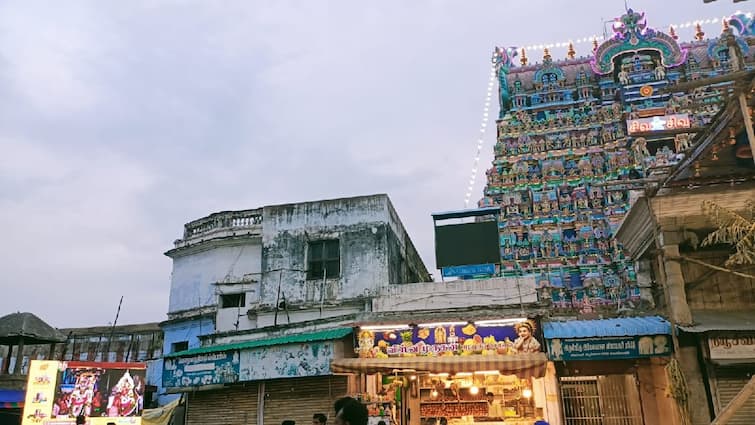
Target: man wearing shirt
x,y
495,410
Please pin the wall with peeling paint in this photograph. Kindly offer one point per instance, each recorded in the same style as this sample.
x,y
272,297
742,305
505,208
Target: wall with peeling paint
x,y
369,247
267,260
195,275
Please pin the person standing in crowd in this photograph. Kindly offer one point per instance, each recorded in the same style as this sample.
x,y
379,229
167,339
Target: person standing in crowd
x,y
350,411
319,419
495,410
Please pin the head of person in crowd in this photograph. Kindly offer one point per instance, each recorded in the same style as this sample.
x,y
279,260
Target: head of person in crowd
x,y
319,419
350,411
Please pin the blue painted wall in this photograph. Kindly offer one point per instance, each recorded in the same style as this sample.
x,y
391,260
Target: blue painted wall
x,y
188,330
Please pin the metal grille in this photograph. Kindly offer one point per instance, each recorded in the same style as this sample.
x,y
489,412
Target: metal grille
x,y
601,400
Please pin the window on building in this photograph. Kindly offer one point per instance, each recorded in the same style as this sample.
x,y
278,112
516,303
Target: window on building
x,y
179,346
323,259
232,300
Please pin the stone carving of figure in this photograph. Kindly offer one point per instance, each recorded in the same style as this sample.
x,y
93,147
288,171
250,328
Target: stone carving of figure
x,y
659,71
681,142
623,77
640,147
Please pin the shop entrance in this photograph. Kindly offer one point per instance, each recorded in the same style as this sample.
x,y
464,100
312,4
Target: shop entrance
x,y
601,400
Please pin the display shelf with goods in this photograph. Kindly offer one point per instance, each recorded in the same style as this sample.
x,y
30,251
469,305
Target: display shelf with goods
x,y
484,397
380,410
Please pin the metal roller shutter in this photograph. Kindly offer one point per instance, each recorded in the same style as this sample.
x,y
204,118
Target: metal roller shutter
x,y
729,381
300,398
227,406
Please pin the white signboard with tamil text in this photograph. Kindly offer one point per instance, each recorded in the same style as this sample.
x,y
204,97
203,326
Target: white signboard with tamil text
x,y
732,347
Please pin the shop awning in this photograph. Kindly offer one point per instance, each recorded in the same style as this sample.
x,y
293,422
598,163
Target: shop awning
x,y
523,365
604,328
11,399
706,321
281,340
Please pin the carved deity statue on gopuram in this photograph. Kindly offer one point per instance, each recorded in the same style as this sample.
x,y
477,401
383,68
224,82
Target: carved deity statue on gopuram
x,y
577,136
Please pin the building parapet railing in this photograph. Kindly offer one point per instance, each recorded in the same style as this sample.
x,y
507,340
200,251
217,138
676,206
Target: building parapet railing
x,y
221,224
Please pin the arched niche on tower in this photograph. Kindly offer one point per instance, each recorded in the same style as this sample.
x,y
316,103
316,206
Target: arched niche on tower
x,y
633,36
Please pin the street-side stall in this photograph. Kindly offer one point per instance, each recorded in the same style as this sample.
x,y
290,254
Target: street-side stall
x,y
490,372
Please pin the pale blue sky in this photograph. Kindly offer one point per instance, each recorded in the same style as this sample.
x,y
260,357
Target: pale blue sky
x,y
121,121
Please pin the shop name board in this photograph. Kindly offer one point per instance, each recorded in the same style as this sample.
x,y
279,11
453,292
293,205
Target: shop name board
x,y
472,270
665,122
442,339
732,347
427,349
629,347
203,369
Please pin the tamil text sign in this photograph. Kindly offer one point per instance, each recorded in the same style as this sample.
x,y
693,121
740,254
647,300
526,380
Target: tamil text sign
x,y
732,347
626,347
473,270
201,369
447,339
659,123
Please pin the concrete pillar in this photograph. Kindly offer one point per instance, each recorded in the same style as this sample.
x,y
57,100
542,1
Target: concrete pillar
x,y
19,357
51,354
6,361
552,398
674,286
697,396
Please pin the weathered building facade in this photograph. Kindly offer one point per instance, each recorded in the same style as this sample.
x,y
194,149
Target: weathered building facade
x,y
263,300
708,291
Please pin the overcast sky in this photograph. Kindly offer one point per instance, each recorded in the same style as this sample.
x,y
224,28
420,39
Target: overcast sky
x,y
122,120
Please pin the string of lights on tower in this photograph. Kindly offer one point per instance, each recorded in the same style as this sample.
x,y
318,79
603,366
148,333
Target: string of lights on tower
x,y
697,26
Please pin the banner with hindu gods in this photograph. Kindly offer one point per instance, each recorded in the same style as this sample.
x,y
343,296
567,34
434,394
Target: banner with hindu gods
x,y
58,392
448,339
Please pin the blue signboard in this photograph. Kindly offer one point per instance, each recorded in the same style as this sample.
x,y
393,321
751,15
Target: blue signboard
x,y
472,270
201,369
624,347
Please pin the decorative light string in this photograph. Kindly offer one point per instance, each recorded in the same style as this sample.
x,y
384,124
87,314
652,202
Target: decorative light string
x,y
536,47
481,138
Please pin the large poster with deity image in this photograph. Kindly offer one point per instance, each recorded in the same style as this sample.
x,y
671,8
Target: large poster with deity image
x,y
450,339
58,392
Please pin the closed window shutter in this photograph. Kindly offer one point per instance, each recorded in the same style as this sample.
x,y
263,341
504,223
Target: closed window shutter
x,y
729,382
299,398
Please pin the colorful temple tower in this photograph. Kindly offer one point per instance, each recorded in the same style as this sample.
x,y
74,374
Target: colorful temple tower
x,y
576,136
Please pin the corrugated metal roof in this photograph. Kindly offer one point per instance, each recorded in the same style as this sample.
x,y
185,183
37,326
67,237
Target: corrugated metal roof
x,y
737,320
286,339
627,326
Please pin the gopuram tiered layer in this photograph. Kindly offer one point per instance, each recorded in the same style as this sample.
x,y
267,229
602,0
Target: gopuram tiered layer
x,y
577,136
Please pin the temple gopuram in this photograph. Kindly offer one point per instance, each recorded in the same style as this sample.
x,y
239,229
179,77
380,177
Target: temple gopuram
x,y
578,136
